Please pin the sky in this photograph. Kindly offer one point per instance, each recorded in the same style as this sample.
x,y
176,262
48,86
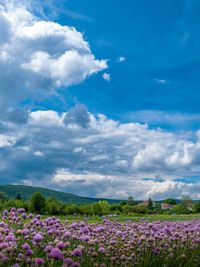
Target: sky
x,y
101,98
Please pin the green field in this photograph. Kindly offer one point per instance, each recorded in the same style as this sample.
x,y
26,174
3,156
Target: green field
x,y
137,218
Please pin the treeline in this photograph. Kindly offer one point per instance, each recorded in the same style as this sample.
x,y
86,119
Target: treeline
x,y
50,206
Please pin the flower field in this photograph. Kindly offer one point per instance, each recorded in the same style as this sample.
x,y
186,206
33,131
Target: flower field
x,y
28,240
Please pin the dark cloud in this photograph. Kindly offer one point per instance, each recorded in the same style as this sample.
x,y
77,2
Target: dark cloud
x,y
18,115
78,115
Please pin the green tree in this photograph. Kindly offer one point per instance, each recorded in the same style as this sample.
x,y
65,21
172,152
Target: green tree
x,y
3,197
53,208
158,208
130,201
116,207
187,201
18,197
171,201
196,207
97,209
104,206
150,204
86,209
72,209
181,209
37,203
122,203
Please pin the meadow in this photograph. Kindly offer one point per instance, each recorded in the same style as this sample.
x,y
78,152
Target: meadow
x,y
152,240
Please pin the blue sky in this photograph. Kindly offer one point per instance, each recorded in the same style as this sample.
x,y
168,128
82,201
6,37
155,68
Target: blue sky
x,y
108,108
160,42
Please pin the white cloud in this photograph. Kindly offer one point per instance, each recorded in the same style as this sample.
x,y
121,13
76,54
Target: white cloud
x,y
161,81
100,156
121,59
7,140
106,77
45,118
39,154
38,55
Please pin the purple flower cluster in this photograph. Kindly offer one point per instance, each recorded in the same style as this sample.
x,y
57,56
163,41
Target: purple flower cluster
x,y
28,240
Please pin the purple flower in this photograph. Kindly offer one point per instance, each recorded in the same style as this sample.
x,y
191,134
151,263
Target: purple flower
x,y
4,259
123,257
69,261
50,232
4,245
56,254
26,246
39,261
13,209
20,255
48,249
60,245
75,264
37,238
25,232
102,250
77,252
29,252
5,213
10,237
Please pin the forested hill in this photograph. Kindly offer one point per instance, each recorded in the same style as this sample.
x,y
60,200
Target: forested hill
x,y
27,191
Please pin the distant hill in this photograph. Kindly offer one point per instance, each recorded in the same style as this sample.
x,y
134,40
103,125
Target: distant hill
x,y
27,191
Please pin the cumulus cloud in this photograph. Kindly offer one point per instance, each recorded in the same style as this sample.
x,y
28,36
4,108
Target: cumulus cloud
x,y
78,116
92,155
161,81
121,59
106,77
38,55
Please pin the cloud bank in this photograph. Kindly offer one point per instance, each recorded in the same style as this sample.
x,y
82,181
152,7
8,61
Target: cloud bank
x,y
90,155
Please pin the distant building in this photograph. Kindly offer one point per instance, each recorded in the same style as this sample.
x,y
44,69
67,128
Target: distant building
x,y
145,203
166,206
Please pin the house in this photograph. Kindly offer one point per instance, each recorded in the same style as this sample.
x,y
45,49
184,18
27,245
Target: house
x,y
145,203
166,206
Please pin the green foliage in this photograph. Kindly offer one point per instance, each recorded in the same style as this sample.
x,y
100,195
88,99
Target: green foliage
x,y
171,201
3,197
97,209
104,206
186,201
122,203
86,209
138,209
37,203
73,209
53,208
150,204
116,208
181,209
18,197
158,208
196,207
130,201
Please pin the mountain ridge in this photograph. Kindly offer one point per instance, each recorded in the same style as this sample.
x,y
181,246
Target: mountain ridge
x,y
26,192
